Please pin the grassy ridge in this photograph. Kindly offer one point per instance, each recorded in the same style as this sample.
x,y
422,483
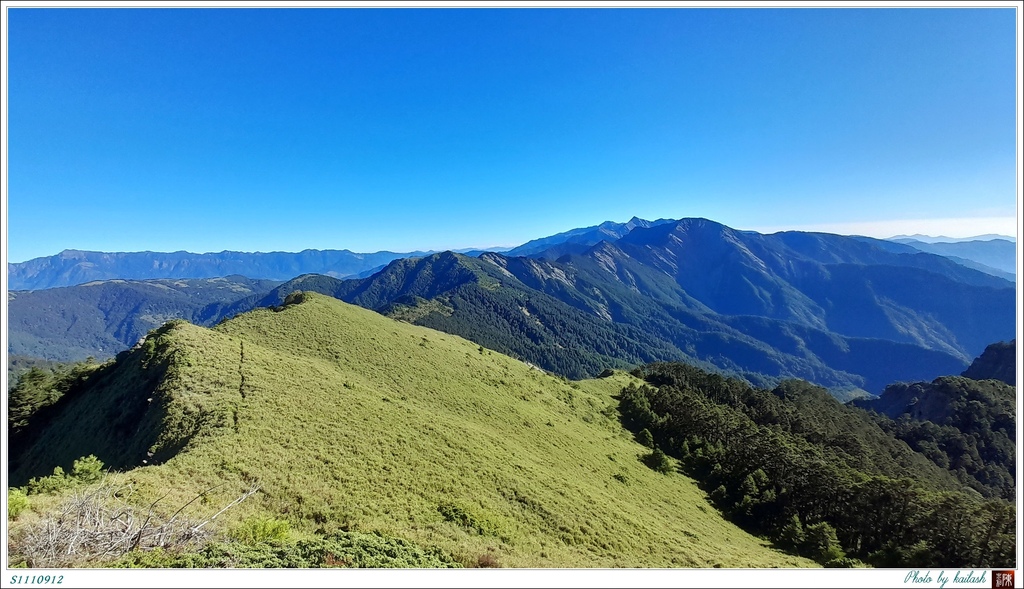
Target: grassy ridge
x,y
100,319
353,421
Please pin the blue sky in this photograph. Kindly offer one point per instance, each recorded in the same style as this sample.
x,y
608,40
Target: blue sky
x,y
371,129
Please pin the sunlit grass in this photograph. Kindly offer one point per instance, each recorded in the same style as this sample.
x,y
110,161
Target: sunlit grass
x,y
353,421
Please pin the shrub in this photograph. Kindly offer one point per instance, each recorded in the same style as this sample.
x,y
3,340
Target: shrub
x,y
468,518
359,550
340,549
54,483
791,536
658,462
487,561
295,298
821,544
261,529
645,438
720,495
845,563
87,469
17,502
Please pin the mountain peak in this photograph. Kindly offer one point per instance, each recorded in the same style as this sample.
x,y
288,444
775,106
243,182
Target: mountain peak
x,y
997,362
660,234
577,240
699,222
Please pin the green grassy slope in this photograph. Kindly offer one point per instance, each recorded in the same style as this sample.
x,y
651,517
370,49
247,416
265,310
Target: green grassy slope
x,y
350,419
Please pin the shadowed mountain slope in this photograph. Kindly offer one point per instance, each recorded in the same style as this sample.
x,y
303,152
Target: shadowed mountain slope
x,y
998,362
847,313
102,318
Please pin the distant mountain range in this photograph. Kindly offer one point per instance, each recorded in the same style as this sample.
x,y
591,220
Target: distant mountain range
x,y
944,239
848,313
71,267
104,317
994,256
373,442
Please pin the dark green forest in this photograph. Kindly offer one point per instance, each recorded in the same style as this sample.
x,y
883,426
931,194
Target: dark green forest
x,y
42,386
821,479
966,426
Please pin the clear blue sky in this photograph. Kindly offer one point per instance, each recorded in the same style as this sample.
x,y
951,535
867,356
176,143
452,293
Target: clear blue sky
x,y
286,129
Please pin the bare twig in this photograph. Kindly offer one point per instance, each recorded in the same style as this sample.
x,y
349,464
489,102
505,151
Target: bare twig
x,y
100,524
252,491
193,500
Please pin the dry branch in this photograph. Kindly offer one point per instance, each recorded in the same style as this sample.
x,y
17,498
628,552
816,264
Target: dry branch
x,y
100,524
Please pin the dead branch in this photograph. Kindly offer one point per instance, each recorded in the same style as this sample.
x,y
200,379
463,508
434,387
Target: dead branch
x,y
99,524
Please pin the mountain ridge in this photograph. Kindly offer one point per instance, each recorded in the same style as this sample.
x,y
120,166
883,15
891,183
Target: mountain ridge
x,y
470,304
388,428
998,254
943,239
72,267
817,306
997,362
581,237
342,421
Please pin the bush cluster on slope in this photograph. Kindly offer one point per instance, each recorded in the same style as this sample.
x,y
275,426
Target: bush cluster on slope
x,y
340,549
963,425
820,478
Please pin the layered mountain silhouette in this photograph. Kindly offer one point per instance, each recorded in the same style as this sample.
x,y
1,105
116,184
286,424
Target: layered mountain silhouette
x,y
993,256
839,311
72,267
847,313
944,239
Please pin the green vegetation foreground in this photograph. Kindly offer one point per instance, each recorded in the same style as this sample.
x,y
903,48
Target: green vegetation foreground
x,y
342,434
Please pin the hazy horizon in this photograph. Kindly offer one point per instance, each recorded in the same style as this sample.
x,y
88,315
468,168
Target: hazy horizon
x,y
822,229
